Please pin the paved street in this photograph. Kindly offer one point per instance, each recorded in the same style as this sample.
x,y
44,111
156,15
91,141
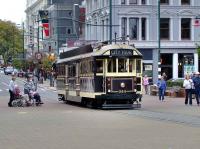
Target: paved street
x,y
55,125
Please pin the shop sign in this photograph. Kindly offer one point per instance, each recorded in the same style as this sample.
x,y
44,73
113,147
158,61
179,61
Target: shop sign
x,y
188,69
148,67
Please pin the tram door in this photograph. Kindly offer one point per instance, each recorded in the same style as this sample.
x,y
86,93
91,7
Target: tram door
x,y
100,75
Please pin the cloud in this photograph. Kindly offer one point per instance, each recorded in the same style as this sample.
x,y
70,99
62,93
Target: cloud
x,y
12,10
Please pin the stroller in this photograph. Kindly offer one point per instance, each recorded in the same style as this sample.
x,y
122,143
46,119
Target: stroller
x,y
19,99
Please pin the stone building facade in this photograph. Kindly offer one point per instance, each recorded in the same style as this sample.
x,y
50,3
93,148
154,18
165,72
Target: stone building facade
x,y
138,19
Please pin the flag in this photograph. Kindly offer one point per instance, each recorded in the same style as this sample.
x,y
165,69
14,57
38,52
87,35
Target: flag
x,y
44,16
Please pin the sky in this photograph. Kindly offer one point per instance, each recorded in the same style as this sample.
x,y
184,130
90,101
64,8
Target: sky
x,y
13,10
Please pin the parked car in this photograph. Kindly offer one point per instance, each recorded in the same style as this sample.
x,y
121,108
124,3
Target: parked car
x,y
1,70
9,70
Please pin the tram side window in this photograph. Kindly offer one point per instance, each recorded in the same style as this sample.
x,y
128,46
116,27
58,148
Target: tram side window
x,y
99,65
86,66
122,65
112,65
138,66
72,71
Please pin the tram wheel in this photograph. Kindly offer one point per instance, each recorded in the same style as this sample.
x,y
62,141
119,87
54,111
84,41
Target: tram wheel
x,y
84,101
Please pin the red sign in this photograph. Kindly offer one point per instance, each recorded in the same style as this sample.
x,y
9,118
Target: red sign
x,y
46,29
196,22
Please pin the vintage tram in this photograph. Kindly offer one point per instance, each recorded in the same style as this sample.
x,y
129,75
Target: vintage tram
x,y
105,76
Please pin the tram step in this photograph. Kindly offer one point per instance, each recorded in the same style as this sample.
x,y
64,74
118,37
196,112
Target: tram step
x,y
120,106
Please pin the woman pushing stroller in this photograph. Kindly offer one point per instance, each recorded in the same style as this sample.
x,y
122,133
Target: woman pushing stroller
x,y
30,89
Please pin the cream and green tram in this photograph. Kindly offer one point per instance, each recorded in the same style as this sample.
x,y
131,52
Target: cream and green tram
x,y
108,76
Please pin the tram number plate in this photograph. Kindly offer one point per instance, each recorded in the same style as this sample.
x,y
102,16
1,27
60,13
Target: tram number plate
x,y
121,52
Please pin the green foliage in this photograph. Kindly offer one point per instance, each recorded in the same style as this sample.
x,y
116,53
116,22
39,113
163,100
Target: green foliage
x,y
46,63
10,39
198,49
17,63
172,83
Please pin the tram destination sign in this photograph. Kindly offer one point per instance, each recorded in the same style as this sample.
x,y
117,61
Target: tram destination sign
x,y
121,52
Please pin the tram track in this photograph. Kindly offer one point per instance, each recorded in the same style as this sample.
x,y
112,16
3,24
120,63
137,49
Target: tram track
x,y
189,120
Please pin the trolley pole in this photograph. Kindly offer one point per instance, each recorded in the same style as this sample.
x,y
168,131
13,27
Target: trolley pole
x,y
110,16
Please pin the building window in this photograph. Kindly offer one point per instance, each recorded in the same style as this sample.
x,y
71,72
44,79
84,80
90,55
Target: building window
x,y
164,28
123,2
185,2
144,2
68,31
166,2
133,28
132,1
143,28
186,28
124,28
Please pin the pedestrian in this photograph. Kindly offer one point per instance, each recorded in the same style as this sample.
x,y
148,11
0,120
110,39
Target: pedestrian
x,y
188,85
146,83
164,76
29,88
161,84
196,81
12,90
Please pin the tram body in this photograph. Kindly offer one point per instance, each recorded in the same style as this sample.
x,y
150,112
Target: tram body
x,y
109,76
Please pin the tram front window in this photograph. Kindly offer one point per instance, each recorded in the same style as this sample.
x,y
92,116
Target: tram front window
x,y
122,65
131,65
112,65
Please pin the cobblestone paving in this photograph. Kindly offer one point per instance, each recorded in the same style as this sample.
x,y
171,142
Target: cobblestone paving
x,y
164,116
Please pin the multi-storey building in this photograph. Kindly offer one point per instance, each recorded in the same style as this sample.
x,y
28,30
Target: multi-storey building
x,y
138,19
33,33
62,24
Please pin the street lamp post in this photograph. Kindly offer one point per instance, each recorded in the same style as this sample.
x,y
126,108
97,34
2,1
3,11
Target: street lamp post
x,y
110,16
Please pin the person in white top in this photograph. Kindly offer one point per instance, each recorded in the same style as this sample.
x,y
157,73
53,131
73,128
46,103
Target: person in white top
x,y
12,90
188,84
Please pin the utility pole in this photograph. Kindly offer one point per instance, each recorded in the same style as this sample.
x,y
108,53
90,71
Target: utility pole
x,y
13,42
38,29
159,63
110,21
23,41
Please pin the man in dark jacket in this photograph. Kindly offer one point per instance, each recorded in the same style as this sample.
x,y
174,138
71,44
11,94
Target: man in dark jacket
x,y
196,81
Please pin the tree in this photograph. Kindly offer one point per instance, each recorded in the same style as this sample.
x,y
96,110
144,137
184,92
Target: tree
x,y
10,40
198,49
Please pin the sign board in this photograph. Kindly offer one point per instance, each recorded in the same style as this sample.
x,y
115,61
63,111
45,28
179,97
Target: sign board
x,y
38,56
121,52
148,67
188,69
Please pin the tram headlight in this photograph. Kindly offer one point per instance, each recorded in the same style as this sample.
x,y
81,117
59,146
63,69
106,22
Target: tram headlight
x,y
123,85
135,90
109,91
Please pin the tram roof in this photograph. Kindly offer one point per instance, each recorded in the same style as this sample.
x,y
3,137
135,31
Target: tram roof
x,y
88,51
